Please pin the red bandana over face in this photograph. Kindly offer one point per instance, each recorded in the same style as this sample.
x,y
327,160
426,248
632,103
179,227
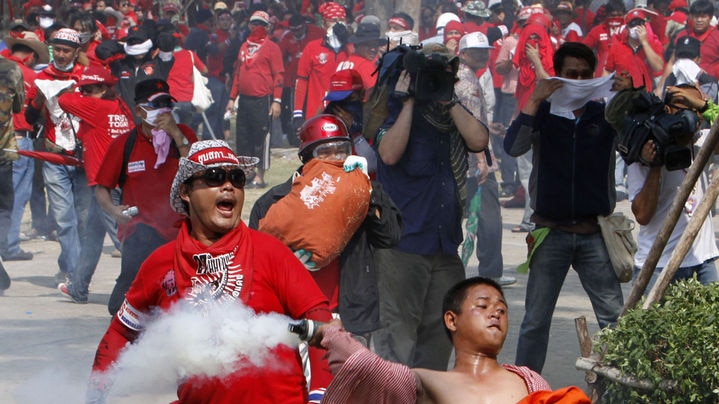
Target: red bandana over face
x,y
221,271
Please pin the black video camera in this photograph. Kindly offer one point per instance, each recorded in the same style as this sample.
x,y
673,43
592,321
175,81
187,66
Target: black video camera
x,y
432,76
649,120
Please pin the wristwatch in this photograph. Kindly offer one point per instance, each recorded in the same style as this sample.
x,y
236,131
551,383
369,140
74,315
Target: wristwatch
x,y
185,142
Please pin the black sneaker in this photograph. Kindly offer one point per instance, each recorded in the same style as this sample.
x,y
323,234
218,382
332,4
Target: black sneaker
x,y
21,256
65,291
4,278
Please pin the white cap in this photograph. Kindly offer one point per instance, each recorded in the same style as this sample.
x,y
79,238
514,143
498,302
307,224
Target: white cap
x,y
474,40
443,19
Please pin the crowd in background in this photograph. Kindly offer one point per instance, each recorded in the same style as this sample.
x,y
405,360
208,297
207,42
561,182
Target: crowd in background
x,y
270,68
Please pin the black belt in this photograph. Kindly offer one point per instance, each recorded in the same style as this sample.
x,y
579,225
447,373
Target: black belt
x,y
24,133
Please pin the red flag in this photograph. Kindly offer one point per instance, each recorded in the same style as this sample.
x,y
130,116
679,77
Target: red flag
x,y
50,157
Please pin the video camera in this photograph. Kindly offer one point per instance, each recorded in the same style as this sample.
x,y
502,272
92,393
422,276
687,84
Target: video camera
x,y
649,120
432,76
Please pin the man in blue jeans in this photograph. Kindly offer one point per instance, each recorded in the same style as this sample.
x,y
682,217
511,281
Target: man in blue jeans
x,y
572,181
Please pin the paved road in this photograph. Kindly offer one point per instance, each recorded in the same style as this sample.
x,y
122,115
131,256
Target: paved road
x,y
47,343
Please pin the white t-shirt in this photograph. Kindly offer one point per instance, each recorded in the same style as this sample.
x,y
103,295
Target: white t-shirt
x,y
704,246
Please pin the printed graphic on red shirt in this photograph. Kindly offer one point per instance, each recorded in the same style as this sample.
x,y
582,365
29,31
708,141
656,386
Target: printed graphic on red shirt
x,y
217,278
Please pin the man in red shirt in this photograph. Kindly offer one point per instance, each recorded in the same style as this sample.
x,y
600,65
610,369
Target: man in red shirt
x,y
600,37
143,164
636,50
103,117
66,185
699,26
319,60
366,41
292,44
217,259
258,82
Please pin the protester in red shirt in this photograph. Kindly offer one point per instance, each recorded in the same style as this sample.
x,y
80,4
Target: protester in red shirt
x,y
143,164
258,82
366,41
247,266
600,37
103,117
84,24
319,60
292,44
636,50
699,26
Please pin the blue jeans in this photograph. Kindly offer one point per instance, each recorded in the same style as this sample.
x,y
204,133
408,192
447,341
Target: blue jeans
x,y
489,228
587,254
22,173
92,239
69,197
706,273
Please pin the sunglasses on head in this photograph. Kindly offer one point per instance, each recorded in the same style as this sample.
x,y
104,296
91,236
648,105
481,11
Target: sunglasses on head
x,y
216,176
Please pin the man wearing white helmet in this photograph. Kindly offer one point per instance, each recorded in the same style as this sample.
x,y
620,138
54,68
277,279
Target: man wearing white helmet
x,y
442,21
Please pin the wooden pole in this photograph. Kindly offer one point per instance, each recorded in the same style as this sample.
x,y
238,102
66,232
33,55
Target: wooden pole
x,y
615,375
685,243
585,347
705,153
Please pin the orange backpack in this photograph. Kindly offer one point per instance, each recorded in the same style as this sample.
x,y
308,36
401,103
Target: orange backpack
x,y
324,208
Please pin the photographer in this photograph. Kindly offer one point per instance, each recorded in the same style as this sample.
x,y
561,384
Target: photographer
x,y
652,188
423,147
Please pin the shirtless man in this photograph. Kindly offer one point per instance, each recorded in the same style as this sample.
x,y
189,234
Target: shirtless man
x,y
475,318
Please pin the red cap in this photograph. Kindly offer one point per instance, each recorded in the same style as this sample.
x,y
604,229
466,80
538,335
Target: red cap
x,y
343,83
635,13
94,74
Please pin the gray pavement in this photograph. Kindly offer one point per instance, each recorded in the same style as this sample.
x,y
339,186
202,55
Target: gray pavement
x,y
47,343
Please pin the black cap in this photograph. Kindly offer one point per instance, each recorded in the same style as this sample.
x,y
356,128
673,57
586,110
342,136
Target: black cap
x,y
366,33
687,47
151,89
136,35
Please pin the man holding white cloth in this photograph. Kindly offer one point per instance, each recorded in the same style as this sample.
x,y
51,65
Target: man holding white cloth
x,y
572,182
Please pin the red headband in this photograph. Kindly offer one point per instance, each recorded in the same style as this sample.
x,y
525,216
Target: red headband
x,y
399,21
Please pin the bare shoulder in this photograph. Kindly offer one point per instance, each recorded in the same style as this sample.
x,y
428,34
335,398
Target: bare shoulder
x,y
498,386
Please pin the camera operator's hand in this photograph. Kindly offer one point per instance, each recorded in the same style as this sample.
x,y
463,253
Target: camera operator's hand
x,y
401,89
649,151
687,96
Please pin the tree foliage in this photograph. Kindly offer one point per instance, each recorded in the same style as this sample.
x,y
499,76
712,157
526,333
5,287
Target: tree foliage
x,y
674,340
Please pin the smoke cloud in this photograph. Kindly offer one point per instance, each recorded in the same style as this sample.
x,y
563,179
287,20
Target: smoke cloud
x,y
189,341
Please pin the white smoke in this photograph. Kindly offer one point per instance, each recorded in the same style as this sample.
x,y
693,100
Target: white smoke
x,y
220,339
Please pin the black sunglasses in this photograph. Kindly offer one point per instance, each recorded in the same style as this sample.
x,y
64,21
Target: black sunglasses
x,y
157,104
216,176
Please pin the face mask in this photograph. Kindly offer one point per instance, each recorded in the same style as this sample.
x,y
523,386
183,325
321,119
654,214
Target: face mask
x,y
46,22
152,115
66,68
85,37
633,33
139,49
165,56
